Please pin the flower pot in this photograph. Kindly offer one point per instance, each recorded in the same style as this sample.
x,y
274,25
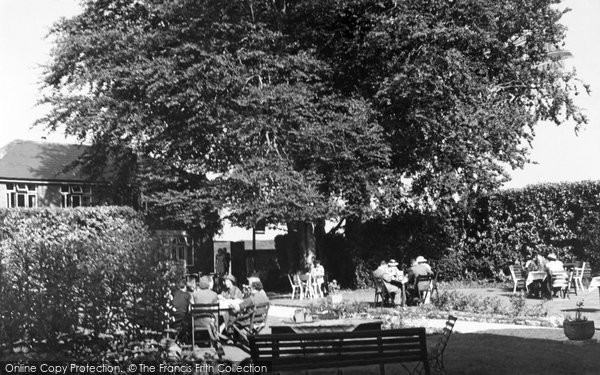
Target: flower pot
x,y
579,329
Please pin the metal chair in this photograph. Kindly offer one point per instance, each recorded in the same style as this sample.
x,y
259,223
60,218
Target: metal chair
x,y
249,322
423,285
435,355
205,318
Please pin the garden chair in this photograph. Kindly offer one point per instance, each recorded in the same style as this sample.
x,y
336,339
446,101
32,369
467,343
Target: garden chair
x,y
516,272
204,325
434,283
249,322
423,285
381,292
435,355
578,277
306,283
296,285
560,283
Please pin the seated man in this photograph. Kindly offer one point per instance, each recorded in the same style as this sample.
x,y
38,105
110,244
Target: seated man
x,y
421,268
180,305
396,274
382,273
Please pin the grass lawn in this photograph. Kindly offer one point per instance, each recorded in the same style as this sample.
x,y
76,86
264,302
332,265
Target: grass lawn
x,y
507,352
525,351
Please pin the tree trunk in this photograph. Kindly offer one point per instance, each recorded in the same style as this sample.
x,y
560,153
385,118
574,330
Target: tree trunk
x,y
302,244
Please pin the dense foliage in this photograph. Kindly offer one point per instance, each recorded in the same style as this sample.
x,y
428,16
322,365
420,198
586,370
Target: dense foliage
x,y
508,226
477,241
303,110
86,271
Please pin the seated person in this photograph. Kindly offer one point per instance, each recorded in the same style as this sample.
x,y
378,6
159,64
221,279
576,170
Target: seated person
x,y
257,296
231,290
180,304
382,273
204,294
552,266
397,275
419,269
190,282
534,263
318,275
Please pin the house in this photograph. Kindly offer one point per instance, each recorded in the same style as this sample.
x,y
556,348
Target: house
x,y
36,174
39,174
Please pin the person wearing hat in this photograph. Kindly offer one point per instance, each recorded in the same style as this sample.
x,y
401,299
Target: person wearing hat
x,y
397,275
554,265
231,290
421,268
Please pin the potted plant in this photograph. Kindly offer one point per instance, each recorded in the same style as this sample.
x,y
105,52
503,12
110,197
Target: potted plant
x,y
579,328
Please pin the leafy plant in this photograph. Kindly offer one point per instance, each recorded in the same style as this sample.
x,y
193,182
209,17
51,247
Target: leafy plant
x,y
578,314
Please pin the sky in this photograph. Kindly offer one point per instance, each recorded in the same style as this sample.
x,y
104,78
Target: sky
x,y
559,153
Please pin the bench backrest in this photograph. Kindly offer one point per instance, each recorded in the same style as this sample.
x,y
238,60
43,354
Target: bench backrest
x,y
294,352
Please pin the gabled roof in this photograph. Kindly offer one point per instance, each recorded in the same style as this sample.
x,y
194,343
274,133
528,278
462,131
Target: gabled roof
x,y
29,160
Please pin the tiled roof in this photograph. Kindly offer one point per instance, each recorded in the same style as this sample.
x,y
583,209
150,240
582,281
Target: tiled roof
x,y
29,160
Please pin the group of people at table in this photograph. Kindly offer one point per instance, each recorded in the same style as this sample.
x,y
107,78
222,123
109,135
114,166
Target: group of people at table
x,y
231,299
403,286
547,267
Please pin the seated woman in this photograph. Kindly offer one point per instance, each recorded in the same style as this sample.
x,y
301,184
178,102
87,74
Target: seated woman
x,y
231,291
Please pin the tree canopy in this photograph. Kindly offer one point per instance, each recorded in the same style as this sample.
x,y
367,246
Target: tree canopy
x,y
297,110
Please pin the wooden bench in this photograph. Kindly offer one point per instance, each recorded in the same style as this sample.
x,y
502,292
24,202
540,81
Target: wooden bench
x,y
301,352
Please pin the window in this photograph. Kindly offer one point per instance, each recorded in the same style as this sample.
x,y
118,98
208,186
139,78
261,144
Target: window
x,y
178,246
21,195
76,195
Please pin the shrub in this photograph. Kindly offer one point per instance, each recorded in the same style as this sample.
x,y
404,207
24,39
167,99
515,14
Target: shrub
x,y
457,301
91,270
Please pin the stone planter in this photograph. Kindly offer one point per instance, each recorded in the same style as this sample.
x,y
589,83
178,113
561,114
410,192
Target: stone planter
x,y
579,329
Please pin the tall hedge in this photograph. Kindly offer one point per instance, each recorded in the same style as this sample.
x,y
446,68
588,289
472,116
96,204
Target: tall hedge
x,y
67,271
505,227
479,239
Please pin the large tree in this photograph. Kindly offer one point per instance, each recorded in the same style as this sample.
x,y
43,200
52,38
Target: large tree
x,y
299,111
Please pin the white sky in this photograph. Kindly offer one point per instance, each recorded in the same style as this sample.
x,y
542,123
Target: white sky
x,y
560,154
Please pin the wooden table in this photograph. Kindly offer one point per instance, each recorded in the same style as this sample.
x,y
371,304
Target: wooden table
x,y
327,325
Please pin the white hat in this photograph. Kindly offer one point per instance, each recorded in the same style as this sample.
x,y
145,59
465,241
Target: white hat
x,y
552,256
421,259
392,263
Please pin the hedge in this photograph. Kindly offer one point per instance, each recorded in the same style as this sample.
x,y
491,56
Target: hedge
x,y
94,270
506,227
479,240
